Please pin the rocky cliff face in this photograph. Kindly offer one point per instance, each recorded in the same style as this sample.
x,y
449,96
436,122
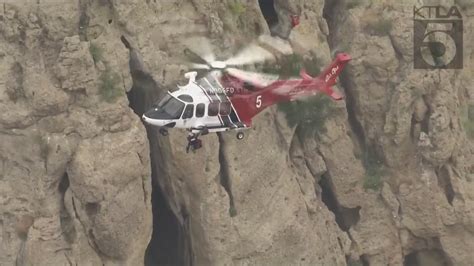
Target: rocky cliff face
x,y
388,182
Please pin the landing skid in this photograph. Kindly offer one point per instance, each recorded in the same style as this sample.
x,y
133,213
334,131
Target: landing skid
x,y
240,135
194,143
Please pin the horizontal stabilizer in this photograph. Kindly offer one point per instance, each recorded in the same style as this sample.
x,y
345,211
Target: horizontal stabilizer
x,y
304,75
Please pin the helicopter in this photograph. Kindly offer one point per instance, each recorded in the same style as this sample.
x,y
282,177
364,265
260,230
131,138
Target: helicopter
x,y
227,98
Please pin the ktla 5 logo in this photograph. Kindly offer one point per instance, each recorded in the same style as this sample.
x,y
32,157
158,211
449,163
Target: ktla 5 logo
x,y
438,37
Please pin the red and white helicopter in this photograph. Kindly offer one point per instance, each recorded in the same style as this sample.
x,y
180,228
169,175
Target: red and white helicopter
x,y
227,98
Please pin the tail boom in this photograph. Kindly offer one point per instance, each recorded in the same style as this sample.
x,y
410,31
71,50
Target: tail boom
x,y
324,82
288,90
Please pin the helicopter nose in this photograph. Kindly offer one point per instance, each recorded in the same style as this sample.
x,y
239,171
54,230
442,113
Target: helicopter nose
x,y
152,121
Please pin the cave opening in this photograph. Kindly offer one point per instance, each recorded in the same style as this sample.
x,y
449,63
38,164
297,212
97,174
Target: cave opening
x,y
345,217
432,257
65,220
168,241
269,12
410,260
362,261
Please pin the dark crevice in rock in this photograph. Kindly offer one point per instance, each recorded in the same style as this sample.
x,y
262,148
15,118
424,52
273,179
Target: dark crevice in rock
x,y
87,232
125,42
444,182
351,106
93,243
364,259
410,259
63,184
170,242
277,18
356,262
332,16
329,12
224,175
144,179
345,217
413,134
65,219
14,89
398,53
269,13
83,19
165,247
425,124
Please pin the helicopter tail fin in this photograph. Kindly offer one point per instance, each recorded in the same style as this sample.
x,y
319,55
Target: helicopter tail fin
x,y
330,74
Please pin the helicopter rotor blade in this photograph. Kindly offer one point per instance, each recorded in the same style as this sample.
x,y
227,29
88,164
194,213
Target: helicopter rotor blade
x,y
200,66
194,57
275,45
200,50
249,55
257,78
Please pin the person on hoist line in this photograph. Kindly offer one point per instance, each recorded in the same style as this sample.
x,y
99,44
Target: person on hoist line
x,y
193,142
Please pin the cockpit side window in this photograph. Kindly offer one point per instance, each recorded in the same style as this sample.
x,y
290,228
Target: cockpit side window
x,y
173,107
188,111
213,109
200,109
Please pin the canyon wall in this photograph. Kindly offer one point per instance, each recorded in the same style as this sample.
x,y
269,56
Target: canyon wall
x,y
387,182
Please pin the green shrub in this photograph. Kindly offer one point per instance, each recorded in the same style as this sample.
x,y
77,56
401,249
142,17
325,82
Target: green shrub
x,y
350,4
96,52
309,115
374,171
380,27
109,88
237,8
468,121
232,211
290,66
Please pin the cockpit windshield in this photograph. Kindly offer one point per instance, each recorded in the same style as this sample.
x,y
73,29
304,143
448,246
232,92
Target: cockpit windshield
x,y
162,101
168,108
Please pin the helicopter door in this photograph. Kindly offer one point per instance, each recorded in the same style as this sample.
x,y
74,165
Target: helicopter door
x,y
188,113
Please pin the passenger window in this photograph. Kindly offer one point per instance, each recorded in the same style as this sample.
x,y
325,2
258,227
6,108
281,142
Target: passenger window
x,y
188,111
225,108
213,109
200,108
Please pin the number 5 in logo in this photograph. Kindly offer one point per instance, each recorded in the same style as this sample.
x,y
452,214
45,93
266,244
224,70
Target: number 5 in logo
x,y
438,38
258,101
438,48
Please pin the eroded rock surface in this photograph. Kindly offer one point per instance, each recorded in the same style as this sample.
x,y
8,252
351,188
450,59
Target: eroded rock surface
x,y
75,175
76,162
